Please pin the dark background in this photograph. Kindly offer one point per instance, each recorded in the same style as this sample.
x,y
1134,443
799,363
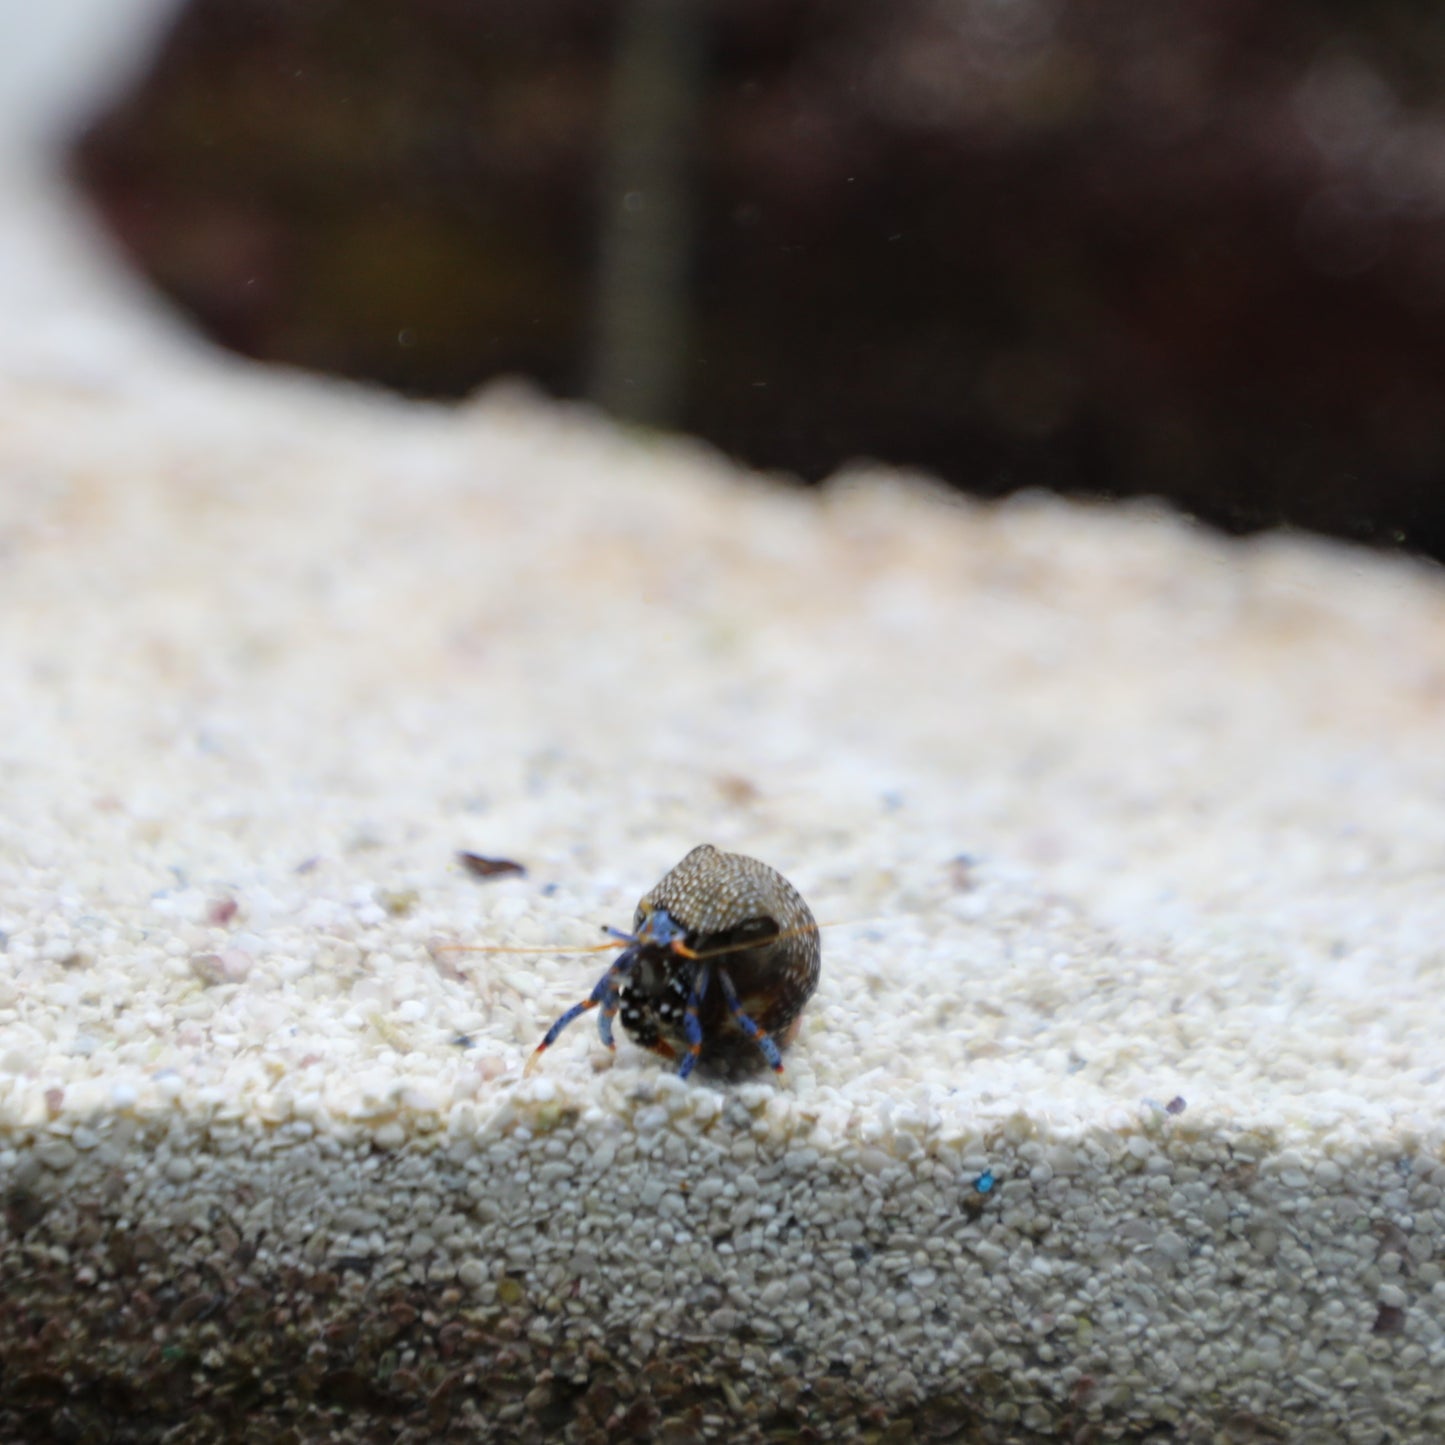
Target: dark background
x,y
1193,249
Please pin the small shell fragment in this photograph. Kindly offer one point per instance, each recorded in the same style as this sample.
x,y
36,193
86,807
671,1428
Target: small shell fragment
x,y
480,867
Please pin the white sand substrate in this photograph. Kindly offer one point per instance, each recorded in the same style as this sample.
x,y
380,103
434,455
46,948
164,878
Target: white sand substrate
x,y
1134,835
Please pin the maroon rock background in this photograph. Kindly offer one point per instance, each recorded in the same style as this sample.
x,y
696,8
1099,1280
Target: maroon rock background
x,y
1194,249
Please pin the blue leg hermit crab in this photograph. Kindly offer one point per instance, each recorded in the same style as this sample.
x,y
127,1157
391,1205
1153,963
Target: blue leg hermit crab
x,y
722,956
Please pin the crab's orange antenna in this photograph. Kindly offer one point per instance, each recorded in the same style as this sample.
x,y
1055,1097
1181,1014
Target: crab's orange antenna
x,y
511,948
677,946
686,952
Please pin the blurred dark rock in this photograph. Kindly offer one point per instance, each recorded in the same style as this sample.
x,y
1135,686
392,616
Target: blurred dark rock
x,y
1195,250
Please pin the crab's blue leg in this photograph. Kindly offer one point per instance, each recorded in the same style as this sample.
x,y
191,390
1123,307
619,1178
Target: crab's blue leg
x,y
606,991
691,1024
605,994
758,1035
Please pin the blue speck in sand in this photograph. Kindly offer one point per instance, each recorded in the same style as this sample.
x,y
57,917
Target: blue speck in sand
x,y
984,1182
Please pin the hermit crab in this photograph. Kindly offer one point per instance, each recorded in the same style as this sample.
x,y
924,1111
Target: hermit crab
x,y
722,956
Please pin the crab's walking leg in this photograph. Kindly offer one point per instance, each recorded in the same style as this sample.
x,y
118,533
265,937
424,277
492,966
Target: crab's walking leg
x,y
605,994
691,1024
758,1035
